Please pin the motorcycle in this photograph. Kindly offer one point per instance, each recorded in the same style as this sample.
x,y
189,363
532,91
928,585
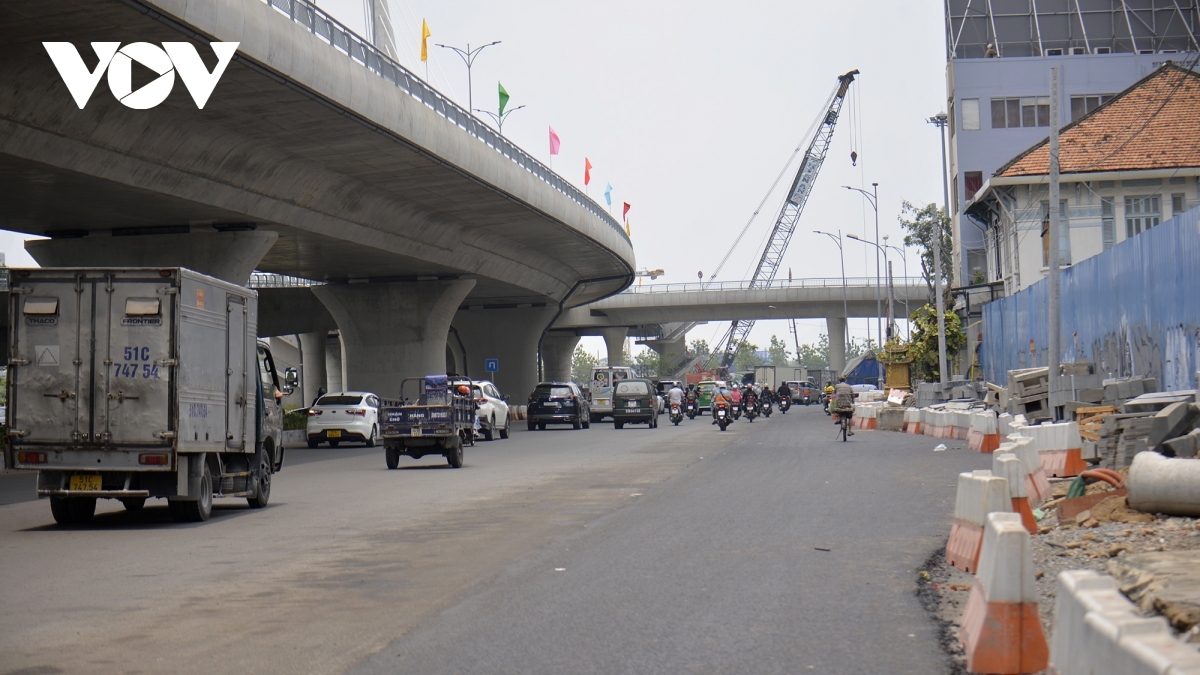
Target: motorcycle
x,y
765,407
751,410
691,409
785,402
722,416
807,396
676,414
737,411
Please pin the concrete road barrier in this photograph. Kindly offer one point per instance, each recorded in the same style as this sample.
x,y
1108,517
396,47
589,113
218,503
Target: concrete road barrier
x,y
1007,465
984,434
1060,448
979,493
1001,631
1098,631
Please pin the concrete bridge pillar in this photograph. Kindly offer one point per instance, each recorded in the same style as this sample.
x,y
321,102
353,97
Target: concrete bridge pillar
x,y
614,339
230,256
335,365
837,343
558,350
312,372
670,352
509,336
392,330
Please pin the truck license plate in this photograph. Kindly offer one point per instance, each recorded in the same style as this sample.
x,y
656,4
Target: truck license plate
x,y
333,433
91,483
416,431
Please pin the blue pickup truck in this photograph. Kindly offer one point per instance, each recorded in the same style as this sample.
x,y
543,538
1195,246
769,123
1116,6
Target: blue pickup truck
x,y
433,417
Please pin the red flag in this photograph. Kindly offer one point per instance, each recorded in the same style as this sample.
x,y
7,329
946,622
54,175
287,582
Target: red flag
x,y
587,170
625,210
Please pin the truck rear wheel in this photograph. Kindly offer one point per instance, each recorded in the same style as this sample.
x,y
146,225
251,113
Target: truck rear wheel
x,y
73,510
195,510
393,456
262,480
454,456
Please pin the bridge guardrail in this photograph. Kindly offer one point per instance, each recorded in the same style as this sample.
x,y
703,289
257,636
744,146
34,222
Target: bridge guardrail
x,y
696,287
356,48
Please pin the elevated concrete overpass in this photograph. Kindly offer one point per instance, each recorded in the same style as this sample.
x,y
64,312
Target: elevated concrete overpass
x,y
316,157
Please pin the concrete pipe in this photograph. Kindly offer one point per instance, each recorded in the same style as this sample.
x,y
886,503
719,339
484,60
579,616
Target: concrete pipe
x,y
1161,485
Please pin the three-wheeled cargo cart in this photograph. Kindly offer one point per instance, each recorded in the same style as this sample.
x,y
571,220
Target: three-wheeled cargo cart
x,y
432,418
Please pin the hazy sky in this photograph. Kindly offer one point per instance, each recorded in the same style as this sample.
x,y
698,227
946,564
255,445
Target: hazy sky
x,y
690,110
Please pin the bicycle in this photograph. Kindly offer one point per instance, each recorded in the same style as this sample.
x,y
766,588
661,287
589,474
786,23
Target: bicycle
x,y
844,419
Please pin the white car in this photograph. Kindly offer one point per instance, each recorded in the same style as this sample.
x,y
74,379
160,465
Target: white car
x,y
491,414
344,416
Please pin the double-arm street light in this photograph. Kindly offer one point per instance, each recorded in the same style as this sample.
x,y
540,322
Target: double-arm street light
x,y
891,300
468,56
837,239
903,256
873,200
500,118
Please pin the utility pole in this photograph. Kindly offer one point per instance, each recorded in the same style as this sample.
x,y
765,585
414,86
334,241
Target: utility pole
x,y
1055,264
940,120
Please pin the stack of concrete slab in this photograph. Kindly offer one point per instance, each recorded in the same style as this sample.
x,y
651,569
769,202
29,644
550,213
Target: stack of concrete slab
x,y
1029,391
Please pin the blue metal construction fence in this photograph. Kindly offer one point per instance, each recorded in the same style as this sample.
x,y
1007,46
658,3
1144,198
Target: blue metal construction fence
x,y
1133,310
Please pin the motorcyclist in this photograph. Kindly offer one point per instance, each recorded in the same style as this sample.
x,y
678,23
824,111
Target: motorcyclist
x,y
784,391
720,395
736,396
675,396
842,402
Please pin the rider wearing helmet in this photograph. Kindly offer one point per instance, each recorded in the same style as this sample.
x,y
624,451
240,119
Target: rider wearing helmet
x,y
843,400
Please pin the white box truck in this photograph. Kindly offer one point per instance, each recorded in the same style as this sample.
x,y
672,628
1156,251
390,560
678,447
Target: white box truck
x,y
132,384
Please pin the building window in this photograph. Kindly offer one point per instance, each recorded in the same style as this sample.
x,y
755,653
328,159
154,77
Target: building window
x,y
1064,234
1141,214
974,181
1026,111
970,114
1108,229
1082,105
1178,203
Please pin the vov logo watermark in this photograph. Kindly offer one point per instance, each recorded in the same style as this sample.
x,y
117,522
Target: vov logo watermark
x,y
166,61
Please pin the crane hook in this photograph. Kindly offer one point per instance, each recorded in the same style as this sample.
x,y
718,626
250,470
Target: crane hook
x,y
853,158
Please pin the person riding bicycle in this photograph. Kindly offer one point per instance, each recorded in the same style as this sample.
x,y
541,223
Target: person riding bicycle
x,y
842,402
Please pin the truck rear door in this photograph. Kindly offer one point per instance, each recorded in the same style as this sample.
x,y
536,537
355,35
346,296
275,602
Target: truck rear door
x,y
134,352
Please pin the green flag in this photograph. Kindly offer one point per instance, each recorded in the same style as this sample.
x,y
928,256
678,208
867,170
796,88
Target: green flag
x,y
503,98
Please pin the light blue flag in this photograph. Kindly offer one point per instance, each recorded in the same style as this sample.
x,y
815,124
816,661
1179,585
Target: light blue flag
x,y
608,194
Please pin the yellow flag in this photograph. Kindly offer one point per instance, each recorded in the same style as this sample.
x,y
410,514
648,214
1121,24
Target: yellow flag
x,y
627,232
424,40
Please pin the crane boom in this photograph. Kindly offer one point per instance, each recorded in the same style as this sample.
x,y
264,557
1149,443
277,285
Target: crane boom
x,y
789,215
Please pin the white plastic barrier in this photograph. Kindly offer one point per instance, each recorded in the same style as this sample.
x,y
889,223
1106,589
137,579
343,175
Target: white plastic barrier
x,y
1059,446
1097,631
984,435
978,494
1009,466
1036,484
1004,423
1001,631
912,420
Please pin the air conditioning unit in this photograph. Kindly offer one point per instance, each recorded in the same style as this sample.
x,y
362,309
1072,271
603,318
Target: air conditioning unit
x,y
1076,51
1057,51
1102,50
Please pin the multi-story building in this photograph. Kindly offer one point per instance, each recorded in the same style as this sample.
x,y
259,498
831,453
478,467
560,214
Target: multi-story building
x,y
1124,168
999,55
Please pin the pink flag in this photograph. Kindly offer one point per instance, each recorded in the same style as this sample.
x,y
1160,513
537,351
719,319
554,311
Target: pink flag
x,y
625,211
554,142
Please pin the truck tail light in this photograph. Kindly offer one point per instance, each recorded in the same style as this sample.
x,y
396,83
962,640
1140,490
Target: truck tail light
x,y
362,413
154,459
31,457
313,412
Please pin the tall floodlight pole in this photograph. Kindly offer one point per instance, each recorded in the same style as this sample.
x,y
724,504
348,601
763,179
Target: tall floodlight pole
x,y
837,239
1055,262
940,120
873,200
468,56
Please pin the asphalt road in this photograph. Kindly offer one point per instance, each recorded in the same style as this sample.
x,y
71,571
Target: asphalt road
x,y
600,551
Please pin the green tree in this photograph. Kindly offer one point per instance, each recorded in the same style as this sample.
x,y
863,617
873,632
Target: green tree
x,y
778,353
924,345
581,366
857,347
701,348
814,356
647,363
923,226
745,356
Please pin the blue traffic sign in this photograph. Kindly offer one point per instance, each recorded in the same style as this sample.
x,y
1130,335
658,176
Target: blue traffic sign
x,y
491,365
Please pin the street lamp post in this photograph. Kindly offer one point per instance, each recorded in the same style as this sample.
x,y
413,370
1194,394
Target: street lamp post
x,y
891,301
468,56
500,118
940,120
873,200
845,304
904,256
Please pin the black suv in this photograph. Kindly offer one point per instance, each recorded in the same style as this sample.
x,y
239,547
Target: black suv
x,y
558,403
